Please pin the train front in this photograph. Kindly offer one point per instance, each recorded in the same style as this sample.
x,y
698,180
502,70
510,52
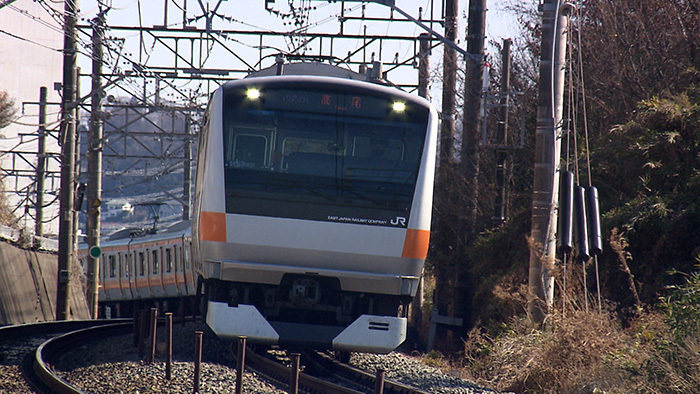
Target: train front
x,y
312,211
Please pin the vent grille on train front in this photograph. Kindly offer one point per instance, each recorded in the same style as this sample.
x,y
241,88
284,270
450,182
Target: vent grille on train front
x,y
378,325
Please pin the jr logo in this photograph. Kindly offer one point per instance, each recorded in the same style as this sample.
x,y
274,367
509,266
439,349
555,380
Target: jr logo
x,y
399,221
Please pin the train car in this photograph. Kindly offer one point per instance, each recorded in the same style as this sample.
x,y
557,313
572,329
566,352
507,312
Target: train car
x,y
312,209
144,266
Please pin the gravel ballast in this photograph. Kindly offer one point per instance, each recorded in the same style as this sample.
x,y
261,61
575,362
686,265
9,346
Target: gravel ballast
x,y
113,366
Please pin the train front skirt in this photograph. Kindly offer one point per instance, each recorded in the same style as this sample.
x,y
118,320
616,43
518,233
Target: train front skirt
x,y
368,333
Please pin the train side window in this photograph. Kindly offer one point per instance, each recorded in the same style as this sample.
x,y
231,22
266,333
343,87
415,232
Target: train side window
x,y
155,261
186,258
168,260
112,259
142,264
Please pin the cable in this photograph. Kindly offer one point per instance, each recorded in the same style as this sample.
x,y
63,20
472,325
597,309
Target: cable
x,y
30,41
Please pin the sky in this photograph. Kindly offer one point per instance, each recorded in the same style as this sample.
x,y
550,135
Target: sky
x,y
252,16
36,25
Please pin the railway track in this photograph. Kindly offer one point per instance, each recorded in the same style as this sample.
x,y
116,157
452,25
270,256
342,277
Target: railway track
x,y
34,349
26,348
323,374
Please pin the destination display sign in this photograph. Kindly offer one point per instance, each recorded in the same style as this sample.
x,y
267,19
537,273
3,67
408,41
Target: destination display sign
x,y
326,102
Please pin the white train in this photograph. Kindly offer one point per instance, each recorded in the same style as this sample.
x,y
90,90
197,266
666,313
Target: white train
x,y
312,213
145,266
312,209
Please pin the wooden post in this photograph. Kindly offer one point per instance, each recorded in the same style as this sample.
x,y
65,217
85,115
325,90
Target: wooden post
x,y
168,346
240,364
197,359
379,382
294,377
143,327
152,333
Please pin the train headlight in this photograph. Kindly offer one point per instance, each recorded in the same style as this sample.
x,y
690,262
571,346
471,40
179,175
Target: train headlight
x,y
253,94
398,106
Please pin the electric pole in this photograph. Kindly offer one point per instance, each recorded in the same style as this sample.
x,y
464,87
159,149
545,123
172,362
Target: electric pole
x,y
423,91
546,171
424,65
94,156
499,214
67,140
449,89
471,123
187,178
41,164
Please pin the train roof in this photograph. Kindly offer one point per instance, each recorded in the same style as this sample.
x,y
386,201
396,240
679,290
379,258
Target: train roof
x,y
137,234
373,73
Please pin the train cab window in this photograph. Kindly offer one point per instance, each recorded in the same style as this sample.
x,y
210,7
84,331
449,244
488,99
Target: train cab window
x,y
155,261
142,264
168,260
112,260
249,151
380,148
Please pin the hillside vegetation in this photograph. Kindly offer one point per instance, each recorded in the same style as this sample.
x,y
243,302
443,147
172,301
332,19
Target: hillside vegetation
x,y
640,62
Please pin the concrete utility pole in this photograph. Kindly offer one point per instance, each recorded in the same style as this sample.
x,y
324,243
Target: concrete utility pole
x,y
471,121
187,178
41,164
94,156
546,175
449,86
423,91
68,131
424,65
499,214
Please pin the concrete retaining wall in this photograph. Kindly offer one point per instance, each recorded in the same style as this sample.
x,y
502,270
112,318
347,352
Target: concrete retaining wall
x,y
28,281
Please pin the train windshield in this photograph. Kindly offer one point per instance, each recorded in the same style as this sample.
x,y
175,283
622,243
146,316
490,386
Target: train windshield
x,y
321,153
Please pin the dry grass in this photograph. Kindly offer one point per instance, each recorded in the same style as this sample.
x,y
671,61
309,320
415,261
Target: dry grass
x,y
585,353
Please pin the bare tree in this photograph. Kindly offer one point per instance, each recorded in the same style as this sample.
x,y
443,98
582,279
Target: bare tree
x,y
7,109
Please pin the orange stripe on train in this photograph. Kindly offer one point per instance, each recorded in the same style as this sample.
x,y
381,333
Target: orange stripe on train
x,y
212,226
416,244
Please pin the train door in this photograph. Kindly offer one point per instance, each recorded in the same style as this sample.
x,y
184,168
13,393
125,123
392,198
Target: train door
x,y
123,277
150,272
179,276
131,273
187,266
142,281
164,277
156,282
120,272
111,286
172,288
102,278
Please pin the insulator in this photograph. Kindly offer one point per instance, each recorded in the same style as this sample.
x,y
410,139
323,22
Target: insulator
x,y
581,228
566,204
595,239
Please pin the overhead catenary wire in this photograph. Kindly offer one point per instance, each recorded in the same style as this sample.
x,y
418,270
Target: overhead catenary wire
x,y
126,71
